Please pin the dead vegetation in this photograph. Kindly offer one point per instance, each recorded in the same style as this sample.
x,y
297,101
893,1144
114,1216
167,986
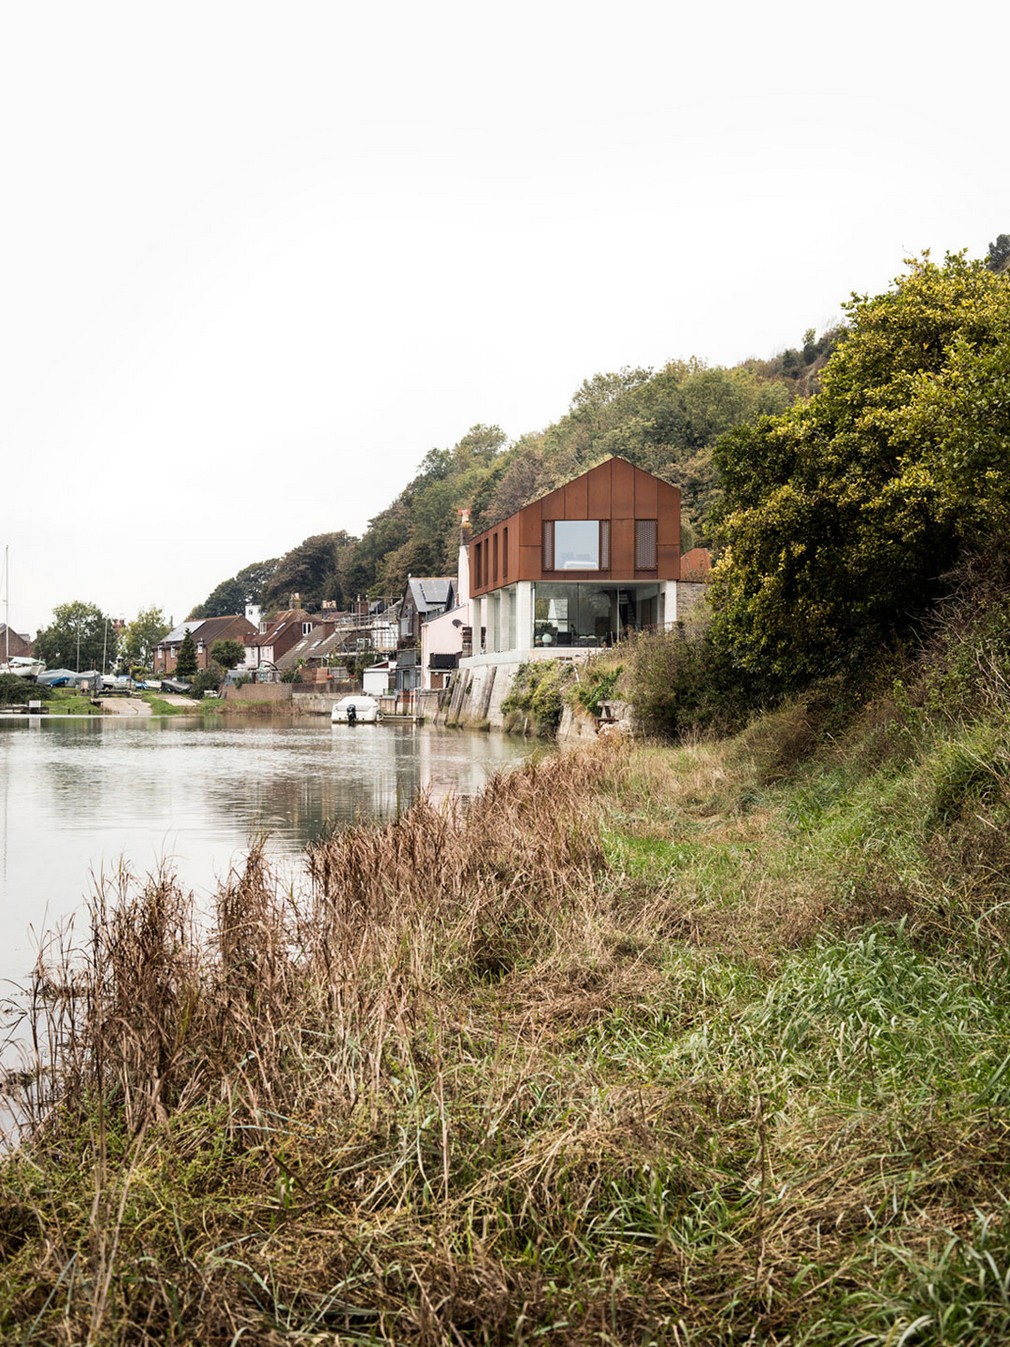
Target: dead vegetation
x,y
642,1045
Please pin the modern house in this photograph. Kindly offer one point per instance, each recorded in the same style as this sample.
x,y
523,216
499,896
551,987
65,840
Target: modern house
x,y
578,568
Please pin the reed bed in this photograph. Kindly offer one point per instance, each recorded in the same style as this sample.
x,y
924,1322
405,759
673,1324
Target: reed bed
x,y
637,1047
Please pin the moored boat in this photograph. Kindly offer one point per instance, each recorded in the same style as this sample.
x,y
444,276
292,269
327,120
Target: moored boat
x,y
357,709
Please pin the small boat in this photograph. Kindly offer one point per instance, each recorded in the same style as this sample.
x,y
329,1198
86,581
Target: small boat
x,y
22,666
358,709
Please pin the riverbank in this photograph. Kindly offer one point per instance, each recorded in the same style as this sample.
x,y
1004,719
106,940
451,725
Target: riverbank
x,y
647,1045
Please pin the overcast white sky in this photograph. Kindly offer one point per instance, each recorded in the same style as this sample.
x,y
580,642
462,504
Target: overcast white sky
x,y
258,259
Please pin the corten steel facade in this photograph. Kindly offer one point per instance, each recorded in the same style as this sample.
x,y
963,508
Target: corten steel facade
x,y
581,566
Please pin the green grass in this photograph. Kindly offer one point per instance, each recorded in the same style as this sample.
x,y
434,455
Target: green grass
x,y
159,707
68,702
690,1046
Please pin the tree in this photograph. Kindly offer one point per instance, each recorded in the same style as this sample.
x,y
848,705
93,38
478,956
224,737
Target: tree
x,y
311,570
231,596
141,636
840,516
185,662
77,638
999,253
227,652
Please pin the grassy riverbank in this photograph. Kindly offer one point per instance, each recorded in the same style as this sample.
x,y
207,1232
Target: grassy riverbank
x,y
694,1046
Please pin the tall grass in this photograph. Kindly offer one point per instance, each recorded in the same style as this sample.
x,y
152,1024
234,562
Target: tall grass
x,y
692,1046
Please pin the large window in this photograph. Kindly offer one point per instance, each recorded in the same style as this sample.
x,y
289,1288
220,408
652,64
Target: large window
x,y
582,614
576,545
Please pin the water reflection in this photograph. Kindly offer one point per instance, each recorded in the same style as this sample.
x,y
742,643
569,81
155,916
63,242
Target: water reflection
x,y
79,796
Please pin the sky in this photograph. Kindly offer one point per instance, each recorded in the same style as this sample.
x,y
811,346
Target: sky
x,y
256,260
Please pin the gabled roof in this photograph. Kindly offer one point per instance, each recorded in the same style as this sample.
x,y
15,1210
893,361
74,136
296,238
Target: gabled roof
x,y
430,591
316,645
207,629
696,564
281,622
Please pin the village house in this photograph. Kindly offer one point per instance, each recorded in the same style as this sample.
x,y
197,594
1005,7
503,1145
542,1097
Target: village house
x,y
205,631
446,636
425,598
264,649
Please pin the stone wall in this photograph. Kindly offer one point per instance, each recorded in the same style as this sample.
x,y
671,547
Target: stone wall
x,y
259,692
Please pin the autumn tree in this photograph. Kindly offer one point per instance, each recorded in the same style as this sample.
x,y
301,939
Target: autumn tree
x,y
999,253
227,652
231,596
313,570
141,636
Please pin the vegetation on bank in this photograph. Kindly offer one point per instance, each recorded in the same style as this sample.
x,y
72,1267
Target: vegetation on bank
x,y
696,1043
690,1045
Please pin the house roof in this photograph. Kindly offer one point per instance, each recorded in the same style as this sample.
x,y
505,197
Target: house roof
x,y
316,645
281,622
607,458
430,591
208,629
696,564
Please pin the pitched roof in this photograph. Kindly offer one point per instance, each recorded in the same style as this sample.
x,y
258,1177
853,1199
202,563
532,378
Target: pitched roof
x,y
430,591
208,629
280,623
696,564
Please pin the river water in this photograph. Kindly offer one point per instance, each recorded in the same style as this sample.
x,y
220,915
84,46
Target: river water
x,y
81,797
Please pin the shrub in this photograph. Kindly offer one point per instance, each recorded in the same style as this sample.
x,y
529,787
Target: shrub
x,y
597,684
14,690
208,680
678,684
537,695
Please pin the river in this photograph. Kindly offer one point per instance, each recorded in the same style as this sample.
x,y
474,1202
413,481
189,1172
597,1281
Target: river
x,y
80,797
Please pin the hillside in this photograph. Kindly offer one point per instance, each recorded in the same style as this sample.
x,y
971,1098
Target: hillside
x,y
667,421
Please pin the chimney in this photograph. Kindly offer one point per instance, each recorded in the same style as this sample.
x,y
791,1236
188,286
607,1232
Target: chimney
x,y
463,561
295,601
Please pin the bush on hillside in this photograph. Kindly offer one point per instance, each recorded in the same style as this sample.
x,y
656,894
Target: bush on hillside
x,y
839,517
679,684
537,697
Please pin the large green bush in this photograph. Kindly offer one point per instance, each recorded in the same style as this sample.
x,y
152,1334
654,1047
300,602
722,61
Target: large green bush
x,y
15,690
839,517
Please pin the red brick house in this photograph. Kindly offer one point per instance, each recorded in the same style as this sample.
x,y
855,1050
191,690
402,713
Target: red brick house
x,y
205,631
14,643
264,650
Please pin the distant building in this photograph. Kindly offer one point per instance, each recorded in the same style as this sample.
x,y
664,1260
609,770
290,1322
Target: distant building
x,y
425,598
15,643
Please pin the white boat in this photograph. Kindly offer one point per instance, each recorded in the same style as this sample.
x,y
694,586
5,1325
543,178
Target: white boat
x,y
23,666
358,709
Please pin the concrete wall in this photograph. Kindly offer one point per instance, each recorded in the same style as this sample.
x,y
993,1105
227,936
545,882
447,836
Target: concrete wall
x,y
477,694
